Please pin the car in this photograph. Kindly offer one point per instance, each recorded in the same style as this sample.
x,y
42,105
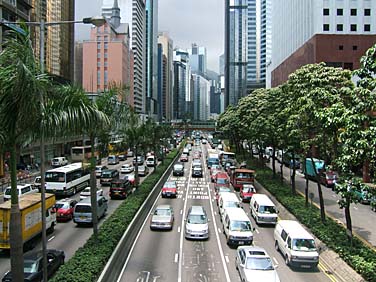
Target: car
x,y
220,147
126,168
143,170
122,157
87,193
214,167
33,270
213,175
196,162
59,161
21,191
169,189
178,170
220,189
130,153
108,175
221,179
186,151
197,171
246,192
184,158
196,223
131,178
254,264
162,218
37,182
64,209
196,155
204,141
99,169
329,178
120,188
140,160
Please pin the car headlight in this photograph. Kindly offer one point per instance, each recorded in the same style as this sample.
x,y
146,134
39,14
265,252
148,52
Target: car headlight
x,y
188,230
294,257
316,258
231,237
250,238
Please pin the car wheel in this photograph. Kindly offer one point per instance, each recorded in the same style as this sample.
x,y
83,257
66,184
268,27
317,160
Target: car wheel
x,y
276,246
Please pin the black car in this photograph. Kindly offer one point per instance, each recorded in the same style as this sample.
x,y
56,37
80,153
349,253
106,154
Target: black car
x,y
108,175
196,171
33,261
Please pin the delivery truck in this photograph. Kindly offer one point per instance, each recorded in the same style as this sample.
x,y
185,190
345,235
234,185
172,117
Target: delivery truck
x,y
31,219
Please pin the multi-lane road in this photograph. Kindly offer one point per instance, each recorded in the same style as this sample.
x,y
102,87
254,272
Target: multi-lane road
x,y
168,256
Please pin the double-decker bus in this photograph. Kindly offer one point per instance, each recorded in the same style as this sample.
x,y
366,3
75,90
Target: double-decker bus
x,y
242,176
67,180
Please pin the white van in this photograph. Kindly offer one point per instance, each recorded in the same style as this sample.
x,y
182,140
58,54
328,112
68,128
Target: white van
x,y
296,245
228,200
196,223
263,209
237,227
82,213
21,191
59,161
150,161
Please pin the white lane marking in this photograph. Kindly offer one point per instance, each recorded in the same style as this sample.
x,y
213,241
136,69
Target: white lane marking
x,y
227,259
179,229
181,211
53,237
176,257
355,208
215,211
258,232
182,229
218,241
219,230
275,260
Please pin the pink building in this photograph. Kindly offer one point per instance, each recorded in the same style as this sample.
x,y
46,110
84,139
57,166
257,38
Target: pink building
x,y
107,59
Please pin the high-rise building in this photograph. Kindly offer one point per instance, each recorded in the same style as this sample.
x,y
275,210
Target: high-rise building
x,y
335,32
198,59
182,103
215,97
107,56
162,65
133,12
151,8
222,64
167,51
201,97
235,51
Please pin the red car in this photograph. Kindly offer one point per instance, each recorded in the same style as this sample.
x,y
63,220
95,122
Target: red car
x,y
213,174
184,158
246,192
169,189
214,167
221,179
64,209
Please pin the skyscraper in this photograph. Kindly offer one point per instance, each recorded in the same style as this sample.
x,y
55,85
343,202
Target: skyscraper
x,y
235,51
133,12
198,59
201,97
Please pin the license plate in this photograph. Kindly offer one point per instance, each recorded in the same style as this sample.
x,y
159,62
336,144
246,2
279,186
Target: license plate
x,y
82,217
168,194
241,243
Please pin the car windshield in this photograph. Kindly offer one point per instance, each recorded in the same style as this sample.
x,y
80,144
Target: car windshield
x,y
267,209
248,189
53,176
106,174
178,167
240,226
303,245
222,181
224,189
126,166
62,205
30,266
196,219
244,175
7,191
165,212
259,263
184,155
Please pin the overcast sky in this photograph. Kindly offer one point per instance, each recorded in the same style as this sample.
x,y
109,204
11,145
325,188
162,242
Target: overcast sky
x,y
187,21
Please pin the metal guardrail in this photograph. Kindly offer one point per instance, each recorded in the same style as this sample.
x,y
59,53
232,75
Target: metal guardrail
x,y
119,256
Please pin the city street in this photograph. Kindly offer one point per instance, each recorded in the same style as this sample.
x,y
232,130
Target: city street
x,y
168,256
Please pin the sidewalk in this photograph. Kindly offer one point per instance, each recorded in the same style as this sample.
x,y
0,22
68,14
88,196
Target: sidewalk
x,y
330,262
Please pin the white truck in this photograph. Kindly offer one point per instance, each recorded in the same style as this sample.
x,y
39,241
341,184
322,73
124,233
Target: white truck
x,y
59,161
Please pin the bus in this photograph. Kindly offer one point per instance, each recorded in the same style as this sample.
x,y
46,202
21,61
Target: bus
x,y
225,156
242,176
83,154
67,180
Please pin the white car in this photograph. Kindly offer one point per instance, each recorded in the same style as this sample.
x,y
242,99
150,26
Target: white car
x,y
254,264
86,193
126,168
21,190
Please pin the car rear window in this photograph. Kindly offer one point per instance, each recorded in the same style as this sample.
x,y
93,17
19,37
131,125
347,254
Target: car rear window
x,y
83,208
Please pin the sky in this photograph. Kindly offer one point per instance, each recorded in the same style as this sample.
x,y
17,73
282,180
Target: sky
x,y
186,21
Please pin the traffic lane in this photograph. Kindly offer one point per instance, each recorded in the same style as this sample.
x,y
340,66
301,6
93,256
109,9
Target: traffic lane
x,y
155,253
361,214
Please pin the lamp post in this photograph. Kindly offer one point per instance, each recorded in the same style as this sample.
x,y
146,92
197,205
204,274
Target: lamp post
x,y
96,21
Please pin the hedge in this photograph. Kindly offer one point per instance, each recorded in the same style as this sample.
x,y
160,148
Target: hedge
x,y
359,256
88,261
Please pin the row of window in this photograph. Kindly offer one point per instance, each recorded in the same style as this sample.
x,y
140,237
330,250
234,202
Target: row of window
x,y
105,55
99,38
353,27
105,45
353,12
99,77
354,47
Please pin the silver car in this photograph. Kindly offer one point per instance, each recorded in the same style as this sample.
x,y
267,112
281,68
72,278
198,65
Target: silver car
x,y
196,225
254,264
162,218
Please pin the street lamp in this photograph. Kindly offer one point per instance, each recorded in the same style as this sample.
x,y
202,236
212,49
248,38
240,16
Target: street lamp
x,y
96,21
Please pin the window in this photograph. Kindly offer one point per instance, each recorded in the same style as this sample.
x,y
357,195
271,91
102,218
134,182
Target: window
x,y
98,45
367,27
353,27
106,64
105,77
339,27
106,38
106,55
98,55
340,47
355,47
367,12
325,12
353,12
98,77
326,27
339,12
105,45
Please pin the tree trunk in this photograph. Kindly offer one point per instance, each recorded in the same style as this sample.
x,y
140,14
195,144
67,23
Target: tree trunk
x,y
93,189
293,188
306,190
273,162
366,173
15,230
348,217
281,167
321,198
43,200
136,177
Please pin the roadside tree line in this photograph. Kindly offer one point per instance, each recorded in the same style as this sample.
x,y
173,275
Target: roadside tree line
x,y
318,112
34,108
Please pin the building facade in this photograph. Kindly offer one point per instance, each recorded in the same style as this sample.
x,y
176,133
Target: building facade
x,y
201,97
335,32
198,59
133,12
236,50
